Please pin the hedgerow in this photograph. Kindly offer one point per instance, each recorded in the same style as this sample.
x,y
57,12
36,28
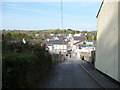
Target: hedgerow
x,y
24,65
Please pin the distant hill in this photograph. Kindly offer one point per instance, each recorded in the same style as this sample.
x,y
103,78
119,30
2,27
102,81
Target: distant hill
x,y
38,34
50,31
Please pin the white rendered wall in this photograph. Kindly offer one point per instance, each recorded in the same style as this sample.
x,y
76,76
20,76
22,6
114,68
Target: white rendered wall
x,y
61,47
119,41
107,40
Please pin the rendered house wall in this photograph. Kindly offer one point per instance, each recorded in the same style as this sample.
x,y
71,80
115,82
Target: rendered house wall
x,y
108,45
119,41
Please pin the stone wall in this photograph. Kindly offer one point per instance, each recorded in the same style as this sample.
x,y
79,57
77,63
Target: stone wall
x,y
88,56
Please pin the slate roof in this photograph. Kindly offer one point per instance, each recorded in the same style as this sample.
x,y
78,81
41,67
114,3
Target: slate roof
x,y
81,39
61,37
56,42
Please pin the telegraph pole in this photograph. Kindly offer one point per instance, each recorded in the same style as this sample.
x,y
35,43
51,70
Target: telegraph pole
x,y
62,22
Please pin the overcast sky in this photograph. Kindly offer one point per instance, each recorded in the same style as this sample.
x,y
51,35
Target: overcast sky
x,y
47,15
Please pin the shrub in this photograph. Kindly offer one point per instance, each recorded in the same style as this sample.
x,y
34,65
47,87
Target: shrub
x,y
24,64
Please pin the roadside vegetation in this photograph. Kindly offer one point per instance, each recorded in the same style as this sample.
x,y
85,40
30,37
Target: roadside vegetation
x,y
44,34
24,65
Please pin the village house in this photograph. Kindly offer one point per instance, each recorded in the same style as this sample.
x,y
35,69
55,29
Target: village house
x,y
73,40
77,35
108,39
55,46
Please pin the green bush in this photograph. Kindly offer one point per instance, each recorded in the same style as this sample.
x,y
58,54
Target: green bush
x,y
15,36
24,64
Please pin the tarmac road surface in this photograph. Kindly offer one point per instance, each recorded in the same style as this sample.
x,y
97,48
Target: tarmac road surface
x,y
70,74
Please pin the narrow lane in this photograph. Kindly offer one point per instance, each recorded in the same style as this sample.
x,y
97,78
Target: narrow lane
x,y
70,74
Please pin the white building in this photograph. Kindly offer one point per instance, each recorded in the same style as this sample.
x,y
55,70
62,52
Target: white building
x,y
55,46
77,35
51,34
74,40
108,39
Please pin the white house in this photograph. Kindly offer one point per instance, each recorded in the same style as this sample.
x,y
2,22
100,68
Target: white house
x,y
108,39
77,35
74,40
51,34
55,46
55,38
70,35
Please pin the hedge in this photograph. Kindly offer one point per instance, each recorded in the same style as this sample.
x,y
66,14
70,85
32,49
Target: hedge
x,y
24,65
